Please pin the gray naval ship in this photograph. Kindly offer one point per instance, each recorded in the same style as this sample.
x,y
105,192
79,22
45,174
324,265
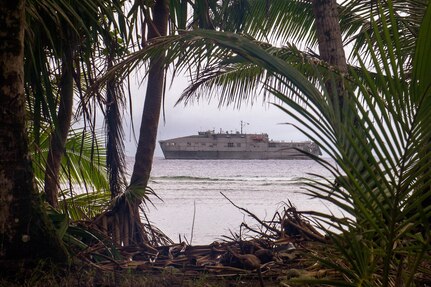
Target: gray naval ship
x,y
224,145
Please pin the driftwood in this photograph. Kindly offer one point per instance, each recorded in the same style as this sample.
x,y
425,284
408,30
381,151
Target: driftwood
x,y
274,246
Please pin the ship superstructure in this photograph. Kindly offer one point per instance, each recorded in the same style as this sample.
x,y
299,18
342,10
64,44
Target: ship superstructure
x,y
211,145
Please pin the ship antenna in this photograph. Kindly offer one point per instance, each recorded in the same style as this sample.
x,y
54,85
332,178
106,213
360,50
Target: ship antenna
x,y
243,124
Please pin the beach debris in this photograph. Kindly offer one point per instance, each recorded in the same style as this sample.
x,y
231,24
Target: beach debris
x,y
271,250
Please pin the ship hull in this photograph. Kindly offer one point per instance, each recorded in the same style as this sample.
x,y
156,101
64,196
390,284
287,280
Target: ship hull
x,y
237,155
209,145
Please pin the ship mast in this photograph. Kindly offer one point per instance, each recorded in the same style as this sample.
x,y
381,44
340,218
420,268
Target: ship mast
x,y
243,124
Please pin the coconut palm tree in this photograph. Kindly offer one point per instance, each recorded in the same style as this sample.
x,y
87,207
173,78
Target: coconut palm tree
x,y
157,27
125,225
21,207
63,119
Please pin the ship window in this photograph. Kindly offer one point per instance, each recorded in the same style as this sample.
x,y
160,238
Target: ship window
x,y
238,144
229,144
204,144
271,144
189,144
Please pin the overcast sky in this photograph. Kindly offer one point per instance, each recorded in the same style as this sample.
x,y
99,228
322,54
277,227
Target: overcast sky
x,y
183,120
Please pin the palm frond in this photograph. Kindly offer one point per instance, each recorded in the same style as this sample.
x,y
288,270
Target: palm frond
x,y
236,81
83,165
406,18
84,206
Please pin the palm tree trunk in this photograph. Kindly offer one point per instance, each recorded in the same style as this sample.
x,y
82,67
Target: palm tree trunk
x,y
61,130
153,101
328,32
115,160
25,231
150,117
331,50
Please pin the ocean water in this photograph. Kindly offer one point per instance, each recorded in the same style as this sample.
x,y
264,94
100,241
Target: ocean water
x,y
191,194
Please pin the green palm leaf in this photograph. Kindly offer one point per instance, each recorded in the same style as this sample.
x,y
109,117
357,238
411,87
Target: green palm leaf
x,y
84,165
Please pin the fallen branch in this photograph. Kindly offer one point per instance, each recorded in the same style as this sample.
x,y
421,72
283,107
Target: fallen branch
x,y
253,216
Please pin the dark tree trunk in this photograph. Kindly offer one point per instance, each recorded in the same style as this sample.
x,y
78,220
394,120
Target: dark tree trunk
x,y
331,49
115,160
61,130
153,101
25,231
328,32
